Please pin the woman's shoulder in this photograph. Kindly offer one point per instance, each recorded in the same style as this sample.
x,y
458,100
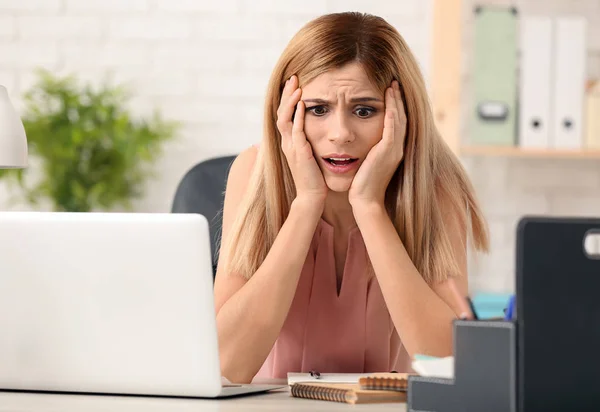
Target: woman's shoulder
x,y
243,164
248,156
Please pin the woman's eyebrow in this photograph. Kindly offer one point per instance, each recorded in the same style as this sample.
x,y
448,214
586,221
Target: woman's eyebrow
x,y
353,100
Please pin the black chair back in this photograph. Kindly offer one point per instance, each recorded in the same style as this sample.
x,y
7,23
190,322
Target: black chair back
x,y
202,190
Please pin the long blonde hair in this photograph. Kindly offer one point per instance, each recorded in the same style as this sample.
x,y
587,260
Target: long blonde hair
x,y
428,180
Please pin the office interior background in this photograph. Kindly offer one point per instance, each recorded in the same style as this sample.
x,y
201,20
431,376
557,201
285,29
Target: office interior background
x,y
206,65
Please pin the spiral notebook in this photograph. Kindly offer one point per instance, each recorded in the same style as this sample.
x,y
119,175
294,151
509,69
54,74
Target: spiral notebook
x,y
372,388
344,392
387,381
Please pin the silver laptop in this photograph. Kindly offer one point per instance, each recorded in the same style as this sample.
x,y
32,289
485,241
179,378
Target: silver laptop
x,y
115,303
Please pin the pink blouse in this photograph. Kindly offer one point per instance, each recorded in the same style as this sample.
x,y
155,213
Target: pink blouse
x,y
349,333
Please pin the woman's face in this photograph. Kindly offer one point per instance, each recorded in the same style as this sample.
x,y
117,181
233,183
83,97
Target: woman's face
x,y
343,121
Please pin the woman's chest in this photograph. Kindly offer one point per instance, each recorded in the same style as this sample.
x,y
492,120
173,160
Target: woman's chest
x,y
340,254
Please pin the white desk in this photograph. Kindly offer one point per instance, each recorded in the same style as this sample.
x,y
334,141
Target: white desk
x,y
278,400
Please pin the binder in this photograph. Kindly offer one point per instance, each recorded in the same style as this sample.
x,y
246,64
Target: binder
x,y
493,116
535,83
569,79
592,117
558,313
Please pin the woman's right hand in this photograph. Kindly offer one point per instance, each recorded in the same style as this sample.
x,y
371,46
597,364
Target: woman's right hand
x,y
308,178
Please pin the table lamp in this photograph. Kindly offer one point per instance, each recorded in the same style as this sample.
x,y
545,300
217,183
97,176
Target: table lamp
x,y
13,141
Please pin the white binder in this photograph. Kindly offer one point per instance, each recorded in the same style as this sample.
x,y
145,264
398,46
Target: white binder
x,y
535,82
569,82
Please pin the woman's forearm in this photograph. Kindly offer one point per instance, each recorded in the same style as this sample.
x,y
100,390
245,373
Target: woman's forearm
x,y
250,321
423,320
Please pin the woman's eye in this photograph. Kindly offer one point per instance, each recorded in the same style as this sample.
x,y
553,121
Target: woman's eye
x,y
317,110
364,112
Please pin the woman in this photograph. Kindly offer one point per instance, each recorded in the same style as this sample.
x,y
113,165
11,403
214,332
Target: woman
x,y
345,230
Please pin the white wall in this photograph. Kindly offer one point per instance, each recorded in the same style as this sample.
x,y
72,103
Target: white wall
x,y
203,62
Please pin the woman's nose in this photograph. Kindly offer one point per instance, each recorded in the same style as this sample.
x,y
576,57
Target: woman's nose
x,y
340,130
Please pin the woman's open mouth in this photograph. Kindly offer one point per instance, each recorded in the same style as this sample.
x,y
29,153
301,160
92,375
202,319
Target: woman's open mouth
x,y
340,163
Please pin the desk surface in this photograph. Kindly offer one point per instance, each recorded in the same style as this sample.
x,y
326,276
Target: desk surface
x,y
277,400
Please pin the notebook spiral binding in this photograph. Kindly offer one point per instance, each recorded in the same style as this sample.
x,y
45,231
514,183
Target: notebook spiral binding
x,y
319,393
383,384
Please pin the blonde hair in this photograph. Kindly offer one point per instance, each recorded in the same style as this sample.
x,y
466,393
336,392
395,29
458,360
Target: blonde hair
x,y
429,181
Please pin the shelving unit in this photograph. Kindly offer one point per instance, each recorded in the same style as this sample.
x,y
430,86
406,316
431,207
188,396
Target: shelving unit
x,y
511,151
447,89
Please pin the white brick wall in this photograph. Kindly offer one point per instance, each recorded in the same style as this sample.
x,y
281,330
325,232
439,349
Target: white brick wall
x,y
203,62
95,7
7,27
202,6
20,55
27,6
510,188
40,27
8,79
152,28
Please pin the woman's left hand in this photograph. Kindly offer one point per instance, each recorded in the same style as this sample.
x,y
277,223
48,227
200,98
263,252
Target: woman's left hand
x,y
371,181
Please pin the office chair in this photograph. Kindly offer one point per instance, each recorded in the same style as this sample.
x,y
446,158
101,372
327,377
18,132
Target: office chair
x,y
202,190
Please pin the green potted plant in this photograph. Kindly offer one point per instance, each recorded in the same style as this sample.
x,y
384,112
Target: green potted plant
x,y
92,153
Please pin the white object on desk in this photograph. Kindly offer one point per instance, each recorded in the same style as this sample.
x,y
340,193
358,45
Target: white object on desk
x,y
13,141
109,303
294,377
435,367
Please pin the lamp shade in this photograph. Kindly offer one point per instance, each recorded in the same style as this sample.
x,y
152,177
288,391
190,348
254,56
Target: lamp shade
x,y
13,141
